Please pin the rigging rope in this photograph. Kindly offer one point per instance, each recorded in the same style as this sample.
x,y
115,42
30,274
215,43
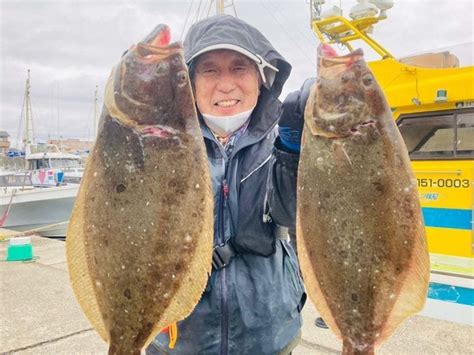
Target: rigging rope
x,y
198,11
4,217
310,38
235,11
187,18
286,31
210,5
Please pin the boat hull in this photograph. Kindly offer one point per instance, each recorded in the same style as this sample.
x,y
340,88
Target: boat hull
x,y
45,211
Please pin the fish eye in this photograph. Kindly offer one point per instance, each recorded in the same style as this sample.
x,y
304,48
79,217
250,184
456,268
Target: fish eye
x,y
182,77
367,79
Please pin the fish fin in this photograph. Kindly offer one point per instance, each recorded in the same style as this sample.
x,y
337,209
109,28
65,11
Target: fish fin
x,y
81,282
184,299
312,284
413,293
309,112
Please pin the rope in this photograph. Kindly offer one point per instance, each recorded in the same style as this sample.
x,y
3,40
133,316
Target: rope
x,y
11,234
287,32
210,5
196,19
187,18
7,211
235,11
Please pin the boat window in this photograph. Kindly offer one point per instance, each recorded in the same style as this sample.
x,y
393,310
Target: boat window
x,y
465,138
41,164
64,163
442,136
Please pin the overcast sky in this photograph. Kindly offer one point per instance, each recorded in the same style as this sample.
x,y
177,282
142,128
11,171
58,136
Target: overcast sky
x,y
70,46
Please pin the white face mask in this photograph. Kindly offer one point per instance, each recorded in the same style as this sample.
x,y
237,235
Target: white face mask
x,y
224,125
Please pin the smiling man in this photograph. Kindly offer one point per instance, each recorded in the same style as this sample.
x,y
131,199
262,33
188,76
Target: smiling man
x,y
227,85
254,294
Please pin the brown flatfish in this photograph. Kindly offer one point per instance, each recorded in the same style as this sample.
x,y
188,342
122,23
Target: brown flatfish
x,y
360,234
139,243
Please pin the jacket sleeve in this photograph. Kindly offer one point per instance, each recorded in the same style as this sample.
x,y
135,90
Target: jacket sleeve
x,y
282,186
282,192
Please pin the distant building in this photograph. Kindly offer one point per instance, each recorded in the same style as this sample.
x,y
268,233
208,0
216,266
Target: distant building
x,y
4,142
72,145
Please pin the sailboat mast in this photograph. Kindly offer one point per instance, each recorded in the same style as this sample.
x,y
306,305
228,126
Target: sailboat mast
x,y
28,134
219,7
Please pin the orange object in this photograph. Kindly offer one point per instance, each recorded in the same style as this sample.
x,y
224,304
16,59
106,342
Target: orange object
x,y
172,331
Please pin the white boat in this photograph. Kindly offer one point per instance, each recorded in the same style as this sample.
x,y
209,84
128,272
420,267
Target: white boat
x,y
38,198
41,209
48,156
40,156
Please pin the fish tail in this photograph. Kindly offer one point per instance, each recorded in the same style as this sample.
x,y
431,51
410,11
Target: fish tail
x,y
112,349
349,348
116,349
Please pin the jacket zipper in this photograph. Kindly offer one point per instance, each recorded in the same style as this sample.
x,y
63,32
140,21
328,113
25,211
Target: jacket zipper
x,y
224,305
224,194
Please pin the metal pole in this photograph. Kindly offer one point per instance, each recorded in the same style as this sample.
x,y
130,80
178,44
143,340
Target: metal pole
x,y
28,135
219,7
27,120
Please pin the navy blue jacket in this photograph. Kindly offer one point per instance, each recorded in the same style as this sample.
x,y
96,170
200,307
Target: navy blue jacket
x,y
253,305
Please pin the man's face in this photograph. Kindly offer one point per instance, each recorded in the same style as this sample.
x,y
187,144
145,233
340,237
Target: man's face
x,y
225,83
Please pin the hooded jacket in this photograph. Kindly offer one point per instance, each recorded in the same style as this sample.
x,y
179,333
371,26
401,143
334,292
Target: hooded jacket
x,y
251,306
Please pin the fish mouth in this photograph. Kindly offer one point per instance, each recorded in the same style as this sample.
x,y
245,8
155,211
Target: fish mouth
x,y
329,57
156,45
332,66
148,53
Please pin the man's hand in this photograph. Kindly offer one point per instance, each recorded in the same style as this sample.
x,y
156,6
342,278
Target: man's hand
x,y
292,117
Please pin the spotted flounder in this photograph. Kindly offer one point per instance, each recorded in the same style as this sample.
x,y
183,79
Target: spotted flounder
x,y
360,233
139,243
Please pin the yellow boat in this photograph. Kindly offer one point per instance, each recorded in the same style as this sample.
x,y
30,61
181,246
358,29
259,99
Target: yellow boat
x,y
434,110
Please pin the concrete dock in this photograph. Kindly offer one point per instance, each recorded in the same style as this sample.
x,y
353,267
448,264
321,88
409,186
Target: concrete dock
x,y
39,315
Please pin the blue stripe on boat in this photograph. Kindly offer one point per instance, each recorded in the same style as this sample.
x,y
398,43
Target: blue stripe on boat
x,y
447,218
449,293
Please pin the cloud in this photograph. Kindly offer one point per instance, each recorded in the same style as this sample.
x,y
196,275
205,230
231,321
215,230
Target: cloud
x,y
71,46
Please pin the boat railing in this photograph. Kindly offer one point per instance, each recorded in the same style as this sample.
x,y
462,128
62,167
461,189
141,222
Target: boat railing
x,y
20,180
38,178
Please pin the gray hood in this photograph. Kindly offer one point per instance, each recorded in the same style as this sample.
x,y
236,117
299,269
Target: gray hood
x,y
228,30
